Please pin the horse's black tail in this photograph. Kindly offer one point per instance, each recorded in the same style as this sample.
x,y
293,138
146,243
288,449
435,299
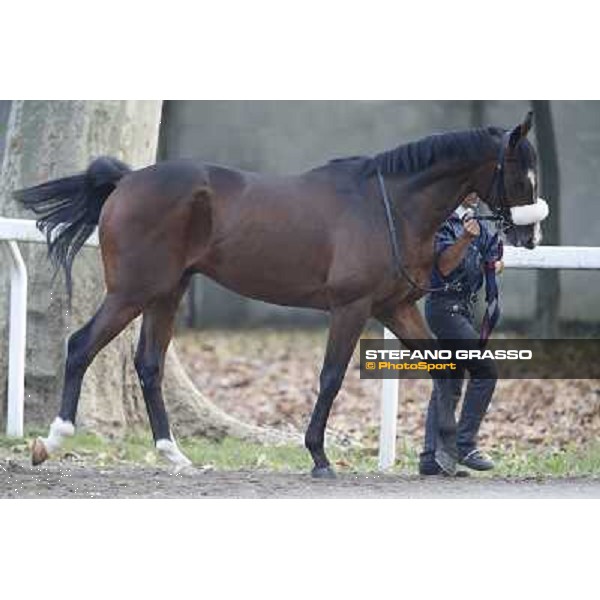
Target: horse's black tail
x,y
69,209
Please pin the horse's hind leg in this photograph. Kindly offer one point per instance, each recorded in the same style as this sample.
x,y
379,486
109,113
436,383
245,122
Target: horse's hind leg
x,y
347,323
155,336
111,318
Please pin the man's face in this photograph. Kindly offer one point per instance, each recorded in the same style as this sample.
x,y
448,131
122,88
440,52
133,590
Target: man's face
x,y
471,200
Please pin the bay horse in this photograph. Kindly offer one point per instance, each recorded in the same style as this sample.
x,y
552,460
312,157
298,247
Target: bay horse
x,y
353,237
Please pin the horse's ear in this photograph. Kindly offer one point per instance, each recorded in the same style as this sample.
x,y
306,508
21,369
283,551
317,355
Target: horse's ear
x,y
527,123
521,130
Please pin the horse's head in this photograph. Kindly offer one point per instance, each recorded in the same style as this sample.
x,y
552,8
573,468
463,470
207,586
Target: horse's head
x,y
513,192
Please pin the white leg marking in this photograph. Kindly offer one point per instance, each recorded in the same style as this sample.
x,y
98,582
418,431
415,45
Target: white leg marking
x,y
170,450
58,430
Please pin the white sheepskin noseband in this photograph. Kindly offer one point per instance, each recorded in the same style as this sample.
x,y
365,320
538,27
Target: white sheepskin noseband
x,y
528,214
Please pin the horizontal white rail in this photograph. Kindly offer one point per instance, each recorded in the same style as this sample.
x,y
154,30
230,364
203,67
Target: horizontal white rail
x,y
552,257
542,257
25,230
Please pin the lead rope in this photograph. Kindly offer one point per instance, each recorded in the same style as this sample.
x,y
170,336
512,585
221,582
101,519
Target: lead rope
x,y
399,268
492,296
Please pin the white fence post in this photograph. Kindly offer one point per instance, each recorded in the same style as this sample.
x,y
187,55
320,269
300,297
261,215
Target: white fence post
x,y
390,389
16,341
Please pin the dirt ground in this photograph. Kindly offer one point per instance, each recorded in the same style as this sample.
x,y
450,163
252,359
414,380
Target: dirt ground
x,y
18,480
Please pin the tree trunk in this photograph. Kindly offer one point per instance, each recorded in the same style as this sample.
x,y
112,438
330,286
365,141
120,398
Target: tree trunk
x,y
548,281
45,140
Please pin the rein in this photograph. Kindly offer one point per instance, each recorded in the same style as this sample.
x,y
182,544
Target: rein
x,y
399,268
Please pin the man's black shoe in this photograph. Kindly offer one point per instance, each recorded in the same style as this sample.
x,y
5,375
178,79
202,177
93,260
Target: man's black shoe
x,y
477,460
430,467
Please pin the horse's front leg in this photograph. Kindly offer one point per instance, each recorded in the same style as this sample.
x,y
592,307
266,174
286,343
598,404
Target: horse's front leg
x,y
347,323
408,325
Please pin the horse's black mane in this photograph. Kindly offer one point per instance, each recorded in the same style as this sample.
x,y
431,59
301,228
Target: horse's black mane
x,y
416,156
468,145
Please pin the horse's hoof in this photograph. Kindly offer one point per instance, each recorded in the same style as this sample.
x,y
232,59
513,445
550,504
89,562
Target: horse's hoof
x,y
323,473
38,452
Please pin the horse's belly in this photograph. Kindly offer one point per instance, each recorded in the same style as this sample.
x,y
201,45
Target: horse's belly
x,y
282,293
270,268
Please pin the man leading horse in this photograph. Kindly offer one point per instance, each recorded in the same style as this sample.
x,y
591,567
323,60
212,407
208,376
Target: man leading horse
x,y
465,250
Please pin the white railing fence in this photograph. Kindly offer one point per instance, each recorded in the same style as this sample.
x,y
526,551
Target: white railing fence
x,y
22,230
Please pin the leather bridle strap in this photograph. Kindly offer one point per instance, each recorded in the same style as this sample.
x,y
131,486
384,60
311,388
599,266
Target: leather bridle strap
x,y
399,268
389,217
496,197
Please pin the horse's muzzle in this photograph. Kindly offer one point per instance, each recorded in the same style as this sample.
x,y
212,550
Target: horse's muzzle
x,y
528,214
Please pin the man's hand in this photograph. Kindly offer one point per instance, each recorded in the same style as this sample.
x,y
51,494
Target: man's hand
x,y
499,266
472,229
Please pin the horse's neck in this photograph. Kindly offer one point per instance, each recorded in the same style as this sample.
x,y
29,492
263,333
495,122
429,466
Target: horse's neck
x,y
433,199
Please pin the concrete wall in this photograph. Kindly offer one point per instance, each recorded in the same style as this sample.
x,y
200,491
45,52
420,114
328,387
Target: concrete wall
x,y
287,137
282,137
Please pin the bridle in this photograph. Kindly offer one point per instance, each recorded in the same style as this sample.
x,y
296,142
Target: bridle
x,y
496,196
496,200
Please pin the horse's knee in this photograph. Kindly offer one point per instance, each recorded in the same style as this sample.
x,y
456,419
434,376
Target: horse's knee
x,y
330,383
148,371
77,354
